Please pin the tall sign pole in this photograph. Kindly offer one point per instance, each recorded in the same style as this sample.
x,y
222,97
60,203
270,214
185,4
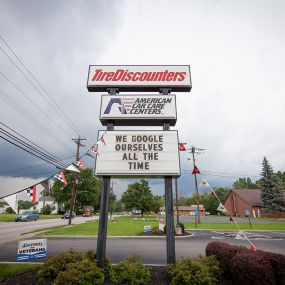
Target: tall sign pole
x,y
103,218
170,240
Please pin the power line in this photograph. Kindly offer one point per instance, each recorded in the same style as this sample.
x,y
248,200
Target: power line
x,y
57,108
29,167
29,145
18,108
34,104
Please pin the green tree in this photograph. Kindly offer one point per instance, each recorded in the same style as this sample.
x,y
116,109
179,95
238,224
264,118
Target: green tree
x,y
245,183
271,192
138,196
119,206
25,205
87,189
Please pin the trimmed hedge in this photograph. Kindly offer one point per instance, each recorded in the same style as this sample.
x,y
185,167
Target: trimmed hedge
x,y
224,253
250,268
243,266
130,271
197,271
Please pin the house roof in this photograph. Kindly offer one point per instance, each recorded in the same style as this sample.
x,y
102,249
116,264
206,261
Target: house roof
x,y
251,196
47,199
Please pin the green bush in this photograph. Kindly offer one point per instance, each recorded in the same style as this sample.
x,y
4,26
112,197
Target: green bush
x,y
58,263
9,210
130,271
46,210
84,272
198,271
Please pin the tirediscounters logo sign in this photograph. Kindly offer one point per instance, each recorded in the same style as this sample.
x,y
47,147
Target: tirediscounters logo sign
x,y
138,153
138,110
139,78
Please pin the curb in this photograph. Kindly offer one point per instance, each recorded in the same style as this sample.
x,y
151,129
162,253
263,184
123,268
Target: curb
x,y
122,237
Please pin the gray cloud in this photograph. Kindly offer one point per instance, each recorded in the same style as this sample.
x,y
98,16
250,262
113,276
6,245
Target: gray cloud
x,y
236,53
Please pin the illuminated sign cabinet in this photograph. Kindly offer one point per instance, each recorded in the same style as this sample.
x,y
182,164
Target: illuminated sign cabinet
x,y
138,153
138,110
133,78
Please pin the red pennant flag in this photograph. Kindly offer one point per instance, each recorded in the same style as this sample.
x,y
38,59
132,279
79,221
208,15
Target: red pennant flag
x,y
102,140
34,194
81,164
94,149
60,176
196,170
181,147
31,192
252,248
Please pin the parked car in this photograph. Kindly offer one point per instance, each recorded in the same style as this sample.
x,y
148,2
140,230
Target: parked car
x,y
27,216
66,215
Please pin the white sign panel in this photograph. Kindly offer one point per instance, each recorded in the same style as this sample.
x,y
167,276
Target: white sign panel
x,y
138,153
138,109
139,77
32,249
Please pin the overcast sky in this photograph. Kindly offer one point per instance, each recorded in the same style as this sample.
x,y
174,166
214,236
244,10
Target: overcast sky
x,y
235,49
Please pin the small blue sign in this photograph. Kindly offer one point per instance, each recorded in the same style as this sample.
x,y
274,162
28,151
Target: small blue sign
x,y
196,212
147,229
29,250
247,213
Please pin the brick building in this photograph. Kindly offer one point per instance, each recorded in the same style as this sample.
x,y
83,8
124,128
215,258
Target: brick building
x,y
240,200
185,210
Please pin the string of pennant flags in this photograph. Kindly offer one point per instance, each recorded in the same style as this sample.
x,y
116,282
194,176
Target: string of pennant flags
x,y
31,191
12,200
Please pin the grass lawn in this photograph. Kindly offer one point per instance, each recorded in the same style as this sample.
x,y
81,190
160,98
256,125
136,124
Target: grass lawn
x,y
130,226
7,270
11,217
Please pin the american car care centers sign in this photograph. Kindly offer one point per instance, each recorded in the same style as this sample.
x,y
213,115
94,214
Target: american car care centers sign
x,y
138,109
138,153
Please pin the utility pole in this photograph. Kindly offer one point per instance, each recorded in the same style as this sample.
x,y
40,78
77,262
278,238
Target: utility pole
x,y
193,151
73,190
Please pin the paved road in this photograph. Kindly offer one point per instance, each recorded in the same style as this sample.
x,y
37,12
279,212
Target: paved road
x,y
153,250
10,231
223,219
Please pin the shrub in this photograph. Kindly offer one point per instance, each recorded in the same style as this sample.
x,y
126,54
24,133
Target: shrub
x,y
130,271
278,265
84,272
9,210
224,253
156,231
252,268
58,263
199,271
46,210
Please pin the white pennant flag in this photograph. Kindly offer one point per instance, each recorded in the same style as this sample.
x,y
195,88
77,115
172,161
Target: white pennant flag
x,y
12,200
205,183
221,208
